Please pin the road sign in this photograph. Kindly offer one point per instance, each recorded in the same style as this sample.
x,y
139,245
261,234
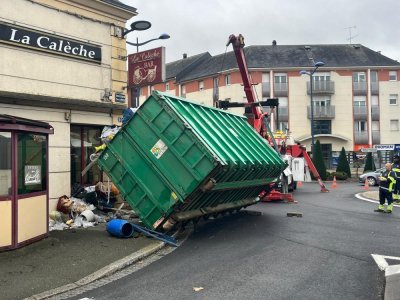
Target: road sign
x,y
366,150
384,147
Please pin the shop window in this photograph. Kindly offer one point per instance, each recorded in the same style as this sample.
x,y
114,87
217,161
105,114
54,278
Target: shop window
x,y
32,163
5,163
83,141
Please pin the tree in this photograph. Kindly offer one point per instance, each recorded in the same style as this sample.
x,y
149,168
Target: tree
x,y
369,163
318,160
343,164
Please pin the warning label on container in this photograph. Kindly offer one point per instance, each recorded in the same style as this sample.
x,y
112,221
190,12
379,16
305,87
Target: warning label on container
x,y
159,149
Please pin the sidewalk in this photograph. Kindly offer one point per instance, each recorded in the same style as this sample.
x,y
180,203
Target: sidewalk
x,y
63,258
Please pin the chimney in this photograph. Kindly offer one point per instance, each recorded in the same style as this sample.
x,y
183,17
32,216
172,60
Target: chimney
x,y
184,55
274,43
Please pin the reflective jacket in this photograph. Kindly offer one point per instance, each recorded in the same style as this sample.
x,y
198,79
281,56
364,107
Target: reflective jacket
x,y
396,169
389,182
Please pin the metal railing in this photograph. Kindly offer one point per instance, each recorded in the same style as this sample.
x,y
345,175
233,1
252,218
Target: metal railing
x,y
360,88
361,137
321,112
359,112
376,137
280,89
374,88
321,87
266,89
375,112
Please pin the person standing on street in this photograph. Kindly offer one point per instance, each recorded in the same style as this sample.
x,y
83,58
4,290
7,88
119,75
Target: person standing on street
x,y
396,169
386,186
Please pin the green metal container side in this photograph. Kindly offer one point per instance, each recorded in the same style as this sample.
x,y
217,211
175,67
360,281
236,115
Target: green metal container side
x,y
162,160
242,147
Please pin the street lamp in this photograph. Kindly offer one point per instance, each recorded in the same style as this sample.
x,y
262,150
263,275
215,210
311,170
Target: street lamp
x,y
163,36
139,26
311,73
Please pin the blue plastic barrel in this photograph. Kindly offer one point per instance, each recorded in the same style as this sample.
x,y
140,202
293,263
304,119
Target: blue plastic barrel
x,y
120,228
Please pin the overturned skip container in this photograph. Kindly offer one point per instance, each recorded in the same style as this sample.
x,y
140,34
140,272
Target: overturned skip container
x,y
181,160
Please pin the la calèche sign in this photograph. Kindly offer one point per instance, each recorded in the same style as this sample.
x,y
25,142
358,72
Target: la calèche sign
x,y
42,41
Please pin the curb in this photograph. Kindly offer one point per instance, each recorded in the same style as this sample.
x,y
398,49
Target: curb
x,y
392,279
103,272
361,197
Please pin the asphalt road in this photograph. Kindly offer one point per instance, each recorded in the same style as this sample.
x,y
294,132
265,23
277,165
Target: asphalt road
x,y
326,254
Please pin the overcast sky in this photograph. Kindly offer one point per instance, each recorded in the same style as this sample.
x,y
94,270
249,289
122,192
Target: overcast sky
x,y
198,26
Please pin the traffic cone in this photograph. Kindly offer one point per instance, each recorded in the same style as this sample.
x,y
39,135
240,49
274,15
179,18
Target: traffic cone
x,y
366,185
334,184
299,184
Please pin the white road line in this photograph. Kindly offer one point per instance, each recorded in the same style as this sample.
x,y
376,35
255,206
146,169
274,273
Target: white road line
x,y
381,260
370,200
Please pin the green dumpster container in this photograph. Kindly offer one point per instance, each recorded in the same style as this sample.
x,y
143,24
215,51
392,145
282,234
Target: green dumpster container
x,y
181,160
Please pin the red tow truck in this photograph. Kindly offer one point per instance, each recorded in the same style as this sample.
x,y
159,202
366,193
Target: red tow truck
x,y
296,156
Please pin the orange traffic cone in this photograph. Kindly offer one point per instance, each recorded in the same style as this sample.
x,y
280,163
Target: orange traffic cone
x,y
366,185
334,184
299,184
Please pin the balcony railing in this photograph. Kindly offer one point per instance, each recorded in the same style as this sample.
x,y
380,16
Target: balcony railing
x,y
280,89
321,112
321,87
376,137
361,137
375,88
283,114
359,112
266,89
375,112
360,88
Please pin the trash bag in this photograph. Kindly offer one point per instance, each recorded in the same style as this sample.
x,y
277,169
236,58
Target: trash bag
x,y
127,114
108,133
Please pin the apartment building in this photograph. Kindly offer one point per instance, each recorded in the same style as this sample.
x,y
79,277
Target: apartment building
x,y
355,94
62,63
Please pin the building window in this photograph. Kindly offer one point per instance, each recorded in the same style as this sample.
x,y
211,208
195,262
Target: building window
x,y
5,163
394,125
215,82
228,79
317,77
326,150
359,77
283,126
322,127
32,163
393,99
360,101
201,85
374,76
392,75
167,86
360,126
83,139
265,77
183,90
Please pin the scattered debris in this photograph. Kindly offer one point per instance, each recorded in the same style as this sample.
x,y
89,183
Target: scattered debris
x,y
198,289
294,214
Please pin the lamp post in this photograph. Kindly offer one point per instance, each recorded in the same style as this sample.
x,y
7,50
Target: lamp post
x,y
163,36
311,73
140,26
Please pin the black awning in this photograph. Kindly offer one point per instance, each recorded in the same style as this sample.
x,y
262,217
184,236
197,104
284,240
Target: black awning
x,y
8,122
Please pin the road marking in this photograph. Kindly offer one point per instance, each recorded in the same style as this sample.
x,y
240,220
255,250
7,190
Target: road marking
x,y
381,260
370,200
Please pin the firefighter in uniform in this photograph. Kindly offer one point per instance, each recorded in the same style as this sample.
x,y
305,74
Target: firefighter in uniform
x,y
386,186
396,169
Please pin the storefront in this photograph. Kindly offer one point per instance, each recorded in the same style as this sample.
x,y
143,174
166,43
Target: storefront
x,y
66,66
23,181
